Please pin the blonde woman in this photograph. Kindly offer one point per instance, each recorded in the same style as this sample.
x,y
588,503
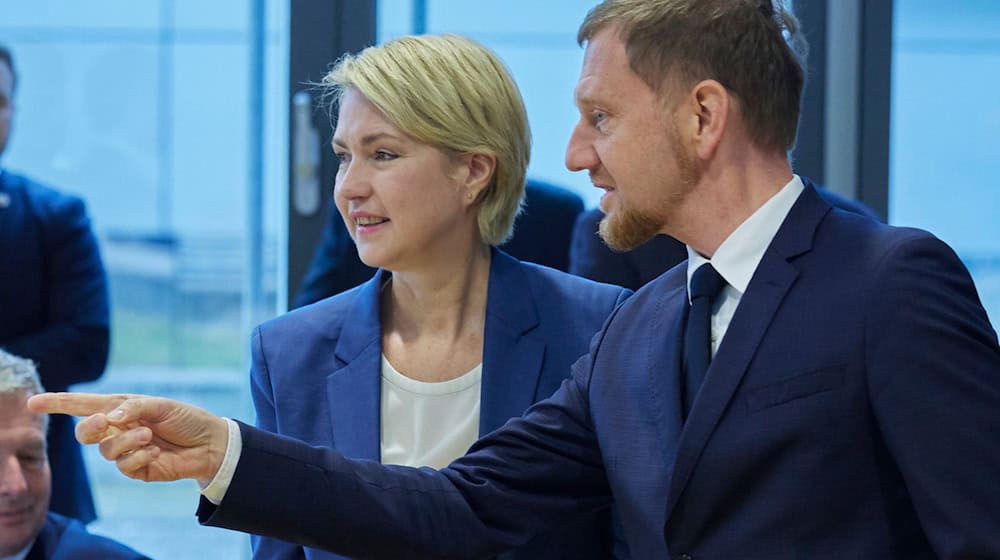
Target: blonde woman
x,y
451,338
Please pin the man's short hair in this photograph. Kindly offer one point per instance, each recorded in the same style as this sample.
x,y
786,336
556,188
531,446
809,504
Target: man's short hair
x,y
19,376
752,47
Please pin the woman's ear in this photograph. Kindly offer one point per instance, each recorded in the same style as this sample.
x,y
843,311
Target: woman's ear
x,y
477,170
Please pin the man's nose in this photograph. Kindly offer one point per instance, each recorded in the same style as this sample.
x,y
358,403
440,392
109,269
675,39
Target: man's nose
x,y
12,481
580,154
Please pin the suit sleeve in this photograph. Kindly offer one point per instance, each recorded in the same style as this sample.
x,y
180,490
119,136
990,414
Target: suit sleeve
x,y
73,345
263,402
934,384
514,483
335,266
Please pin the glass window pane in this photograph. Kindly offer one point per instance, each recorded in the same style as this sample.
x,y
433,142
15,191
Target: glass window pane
x,y
944,142
145,111
537,41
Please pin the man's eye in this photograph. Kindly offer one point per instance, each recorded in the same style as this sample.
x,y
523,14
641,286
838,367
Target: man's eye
x,y
342,157
597,117
32,460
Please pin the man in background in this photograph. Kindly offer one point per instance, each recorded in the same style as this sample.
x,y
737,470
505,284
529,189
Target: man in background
x,y
27,529
53,299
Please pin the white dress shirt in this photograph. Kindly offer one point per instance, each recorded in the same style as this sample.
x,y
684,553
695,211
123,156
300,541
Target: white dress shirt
x,y
737,257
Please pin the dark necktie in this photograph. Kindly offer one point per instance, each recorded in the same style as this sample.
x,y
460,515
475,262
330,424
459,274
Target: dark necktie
x,y
706,283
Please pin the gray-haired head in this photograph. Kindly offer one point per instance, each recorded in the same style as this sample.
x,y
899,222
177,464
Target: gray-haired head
x,y
19,377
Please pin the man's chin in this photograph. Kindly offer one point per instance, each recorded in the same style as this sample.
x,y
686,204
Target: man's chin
x,y
624,233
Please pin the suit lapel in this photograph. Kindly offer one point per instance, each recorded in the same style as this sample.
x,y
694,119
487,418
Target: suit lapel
x,y
774,276
666,339
512,360
354,391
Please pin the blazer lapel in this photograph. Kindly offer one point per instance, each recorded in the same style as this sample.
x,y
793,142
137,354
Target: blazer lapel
x,y
775,275
354,391
666,340
512,360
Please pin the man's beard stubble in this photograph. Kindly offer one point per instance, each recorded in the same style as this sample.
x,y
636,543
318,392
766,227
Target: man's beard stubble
x,y
631,227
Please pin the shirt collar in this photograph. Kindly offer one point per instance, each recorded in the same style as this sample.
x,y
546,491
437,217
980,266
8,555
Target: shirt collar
x,y
737,257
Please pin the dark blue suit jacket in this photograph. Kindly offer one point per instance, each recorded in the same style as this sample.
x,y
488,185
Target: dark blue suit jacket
x,y
63,538
851,411
316,374
541,235
54,309
591,258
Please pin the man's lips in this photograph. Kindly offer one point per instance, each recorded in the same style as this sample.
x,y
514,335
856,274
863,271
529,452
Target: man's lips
x,y
14,514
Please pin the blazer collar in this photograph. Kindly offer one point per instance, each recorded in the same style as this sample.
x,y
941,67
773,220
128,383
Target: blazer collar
x,y
512,358
354,390
775,275
362,326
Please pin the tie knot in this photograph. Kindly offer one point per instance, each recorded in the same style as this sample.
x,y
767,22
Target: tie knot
x,y
706,282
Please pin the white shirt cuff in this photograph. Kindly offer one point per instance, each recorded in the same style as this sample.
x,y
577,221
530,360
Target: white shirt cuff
x,y
215,491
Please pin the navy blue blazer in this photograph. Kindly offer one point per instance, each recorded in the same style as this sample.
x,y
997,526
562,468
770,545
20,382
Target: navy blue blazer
x,y
62,538
542,234
316,374
54,309
591,258
851,411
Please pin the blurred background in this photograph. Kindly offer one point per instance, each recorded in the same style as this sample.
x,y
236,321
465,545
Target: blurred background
x,y
177,122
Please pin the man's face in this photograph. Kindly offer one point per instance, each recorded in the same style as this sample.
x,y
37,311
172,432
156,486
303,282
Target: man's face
x,y
25,480
628,141
6,103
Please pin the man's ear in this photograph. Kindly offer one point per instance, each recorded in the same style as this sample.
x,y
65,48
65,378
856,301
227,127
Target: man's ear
x,y
476,172
709,104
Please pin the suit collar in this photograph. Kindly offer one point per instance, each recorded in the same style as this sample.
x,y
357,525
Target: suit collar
x,y
774,276
362,326
512,358
354,390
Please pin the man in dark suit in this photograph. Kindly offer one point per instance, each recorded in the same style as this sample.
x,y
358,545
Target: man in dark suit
x,y
541,235
836,397
591,258
27,530
53,299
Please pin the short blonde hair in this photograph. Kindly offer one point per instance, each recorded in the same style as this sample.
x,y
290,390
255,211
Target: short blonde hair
x,y
453,93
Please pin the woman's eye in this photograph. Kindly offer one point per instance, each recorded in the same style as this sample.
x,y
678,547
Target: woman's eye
x,y
383,155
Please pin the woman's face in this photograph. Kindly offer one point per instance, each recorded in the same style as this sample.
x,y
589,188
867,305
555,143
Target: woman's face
x,y
403,201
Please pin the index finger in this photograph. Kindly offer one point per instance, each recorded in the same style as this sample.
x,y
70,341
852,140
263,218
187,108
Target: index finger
x,y
74,404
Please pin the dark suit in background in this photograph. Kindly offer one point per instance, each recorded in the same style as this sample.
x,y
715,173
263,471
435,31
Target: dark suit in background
x,y
591,258
54,309
541,235
316,376
63,538
849,412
